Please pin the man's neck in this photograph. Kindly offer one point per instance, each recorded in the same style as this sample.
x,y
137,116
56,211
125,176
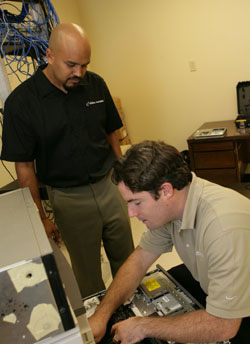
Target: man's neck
x,y
180,201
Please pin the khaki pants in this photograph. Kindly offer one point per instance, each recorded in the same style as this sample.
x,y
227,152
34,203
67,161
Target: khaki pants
x,y
85,216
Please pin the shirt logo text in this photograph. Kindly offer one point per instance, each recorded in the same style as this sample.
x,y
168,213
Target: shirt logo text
x,y
95,102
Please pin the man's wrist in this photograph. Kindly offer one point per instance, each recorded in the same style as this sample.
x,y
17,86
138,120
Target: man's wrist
x,y
103,313
143,323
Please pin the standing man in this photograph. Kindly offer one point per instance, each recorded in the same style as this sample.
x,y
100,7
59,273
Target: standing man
x,y
60,128
209,225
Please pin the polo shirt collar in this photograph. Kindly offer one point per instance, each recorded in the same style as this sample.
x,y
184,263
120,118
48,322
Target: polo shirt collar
x,y
46,88
191,206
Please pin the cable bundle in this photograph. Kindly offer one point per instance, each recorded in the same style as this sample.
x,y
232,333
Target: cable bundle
x,y
24,36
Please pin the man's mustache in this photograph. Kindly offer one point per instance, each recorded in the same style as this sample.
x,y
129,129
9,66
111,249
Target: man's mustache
x,y
74,78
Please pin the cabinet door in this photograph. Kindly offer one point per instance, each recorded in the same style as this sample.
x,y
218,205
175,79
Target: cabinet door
x,y
215,159
212,146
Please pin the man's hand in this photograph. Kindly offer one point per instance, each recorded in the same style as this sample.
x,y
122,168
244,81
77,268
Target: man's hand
x,y
128,331
121,289
27,178
51,230
98,327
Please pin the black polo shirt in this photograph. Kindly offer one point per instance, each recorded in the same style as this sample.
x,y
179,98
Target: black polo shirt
x,y
66,134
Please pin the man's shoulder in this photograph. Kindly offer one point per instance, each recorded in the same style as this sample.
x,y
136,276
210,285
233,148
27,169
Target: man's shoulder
x,y
23,90
91,78
94,75
223,206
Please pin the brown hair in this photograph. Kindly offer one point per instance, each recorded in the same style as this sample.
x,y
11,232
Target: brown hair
x,y
149,164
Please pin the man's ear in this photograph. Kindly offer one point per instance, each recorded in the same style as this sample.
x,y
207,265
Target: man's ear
x,y
49,56
167,190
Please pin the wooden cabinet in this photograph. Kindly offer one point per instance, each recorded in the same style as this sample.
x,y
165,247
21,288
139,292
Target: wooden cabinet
x,y
221,160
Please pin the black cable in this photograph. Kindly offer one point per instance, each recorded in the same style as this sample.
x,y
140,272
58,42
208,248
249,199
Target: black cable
x,y
6,168
12,18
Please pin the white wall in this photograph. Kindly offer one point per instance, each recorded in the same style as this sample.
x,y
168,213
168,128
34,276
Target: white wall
x,y
143,47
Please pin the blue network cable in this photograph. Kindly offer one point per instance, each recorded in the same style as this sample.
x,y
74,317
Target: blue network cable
x,y
24,36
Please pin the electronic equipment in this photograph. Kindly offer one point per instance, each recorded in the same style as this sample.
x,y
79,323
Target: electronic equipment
x,y
210,133
243,103
33,305
159,294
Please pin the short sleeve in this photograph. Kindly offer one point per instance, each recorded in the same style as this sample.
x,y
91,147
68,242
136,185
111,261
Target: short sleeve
x,y
113,120
18,142
157,241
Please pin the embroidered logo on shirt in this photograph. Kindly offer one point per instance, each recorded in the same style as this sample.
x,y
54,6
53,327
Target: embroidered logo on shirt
x,y
198,253
95,102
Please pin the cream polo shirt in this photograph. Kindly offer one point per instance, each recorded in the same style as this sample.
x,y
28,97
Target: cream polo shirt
x,y
213,240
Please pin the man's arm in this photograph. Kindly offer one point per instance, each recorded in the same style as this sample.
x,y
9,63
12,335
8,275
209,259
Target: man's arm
x,y
27,178
114,142
197,326
123,286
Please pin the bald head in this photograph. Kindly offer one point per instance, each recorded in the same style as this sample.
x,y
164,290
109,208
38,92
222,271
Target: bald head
x,y
67,33
68,56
